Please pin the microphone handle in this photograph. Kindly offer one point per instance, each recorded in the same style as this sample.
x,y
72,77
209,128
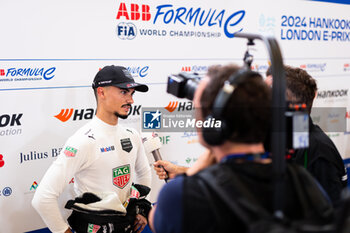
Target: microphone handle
x,y
157,156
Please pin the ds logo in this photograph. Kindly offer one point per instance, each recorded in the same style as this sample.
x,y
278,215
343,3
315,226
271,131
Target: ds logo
x,y
126,31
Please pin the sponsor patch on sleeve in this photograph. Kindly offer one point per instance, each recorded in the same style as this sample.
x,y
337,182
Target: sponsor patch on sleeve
x,y
70,151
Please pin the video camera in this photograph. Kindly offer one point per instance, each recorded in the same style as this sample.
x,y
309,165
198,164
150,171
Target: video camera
x,y
183,85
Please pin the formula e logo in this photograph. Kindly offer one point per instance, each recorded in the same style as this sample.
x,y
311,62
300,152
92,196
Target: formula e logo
x,y
126,31
152,119
314,67
28,74
138,71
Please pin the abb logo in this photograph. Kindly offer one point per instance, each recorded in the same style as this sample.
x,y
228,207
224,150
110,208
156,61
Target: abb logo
x,y
2,72
134,12
186,68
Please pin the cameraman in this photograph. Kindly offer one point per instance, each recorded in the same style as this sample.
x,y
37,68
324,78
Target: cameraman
x,y
182,206
322,158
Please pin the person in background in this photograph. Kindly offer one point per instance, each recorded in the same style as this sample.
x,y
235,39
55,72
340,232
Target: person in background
x,y
322,158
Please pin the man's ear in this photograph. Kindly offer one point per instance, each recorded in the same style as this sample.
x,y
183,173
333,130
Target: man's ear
x,y
101,92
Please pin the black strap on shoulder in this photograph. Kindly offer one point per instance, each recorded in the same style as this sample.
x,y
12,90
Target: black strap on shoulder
x,y
218,215
227,191
226,185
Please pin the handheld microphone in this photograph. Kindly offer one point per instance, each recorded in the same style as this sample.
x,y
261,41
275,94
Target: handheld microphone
x,y
152,145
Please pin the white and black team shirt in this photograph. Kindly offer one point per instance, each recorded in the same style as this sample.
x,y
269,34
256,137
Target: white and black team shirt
x,y
101,158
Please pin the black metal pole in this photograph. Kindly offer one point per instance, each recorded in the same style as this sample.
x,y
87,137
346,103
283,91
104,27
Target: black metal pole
x,y
278,133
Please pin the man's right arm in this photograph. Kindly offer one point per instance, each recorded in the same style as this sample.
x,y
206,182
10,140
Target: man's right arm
x,y
45,199
56,178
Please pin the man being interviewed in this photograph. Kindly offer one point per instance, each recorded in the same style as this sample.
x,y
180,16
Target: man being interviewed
x,y
102,156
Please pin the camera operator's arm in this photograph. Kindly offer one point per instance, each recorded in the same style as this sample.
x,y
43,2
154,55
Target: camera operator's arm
x,y
171,168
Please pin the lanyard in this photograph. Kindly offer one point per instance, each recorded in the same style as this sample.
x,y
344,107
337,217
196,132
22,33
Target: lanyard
x,y
248,157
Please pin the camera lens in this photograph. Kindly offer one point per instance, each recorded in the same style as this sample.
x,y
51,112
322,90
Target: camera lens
x,y
190,88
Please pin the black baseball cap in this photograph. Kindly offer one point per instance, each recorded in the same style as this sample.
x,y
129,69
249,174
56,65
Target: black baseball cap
x,y
117,76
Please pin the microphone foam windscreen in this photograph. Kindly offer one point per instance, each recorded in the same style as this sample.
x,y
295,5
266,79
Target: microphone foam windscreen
x,y
151,144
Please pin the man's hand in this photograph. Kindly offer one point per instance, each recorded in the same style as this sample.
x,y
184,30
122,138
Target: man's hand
x,y
140,223
171,168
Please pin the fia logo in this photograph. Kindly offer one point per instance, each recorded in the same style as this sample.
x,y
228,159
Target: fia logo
x,y
152,119
126,31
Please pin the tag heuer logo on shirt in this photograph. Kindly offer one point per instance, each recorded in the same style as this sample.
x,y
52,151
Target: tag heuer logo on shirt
x,y
121,176
70,151
93,228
